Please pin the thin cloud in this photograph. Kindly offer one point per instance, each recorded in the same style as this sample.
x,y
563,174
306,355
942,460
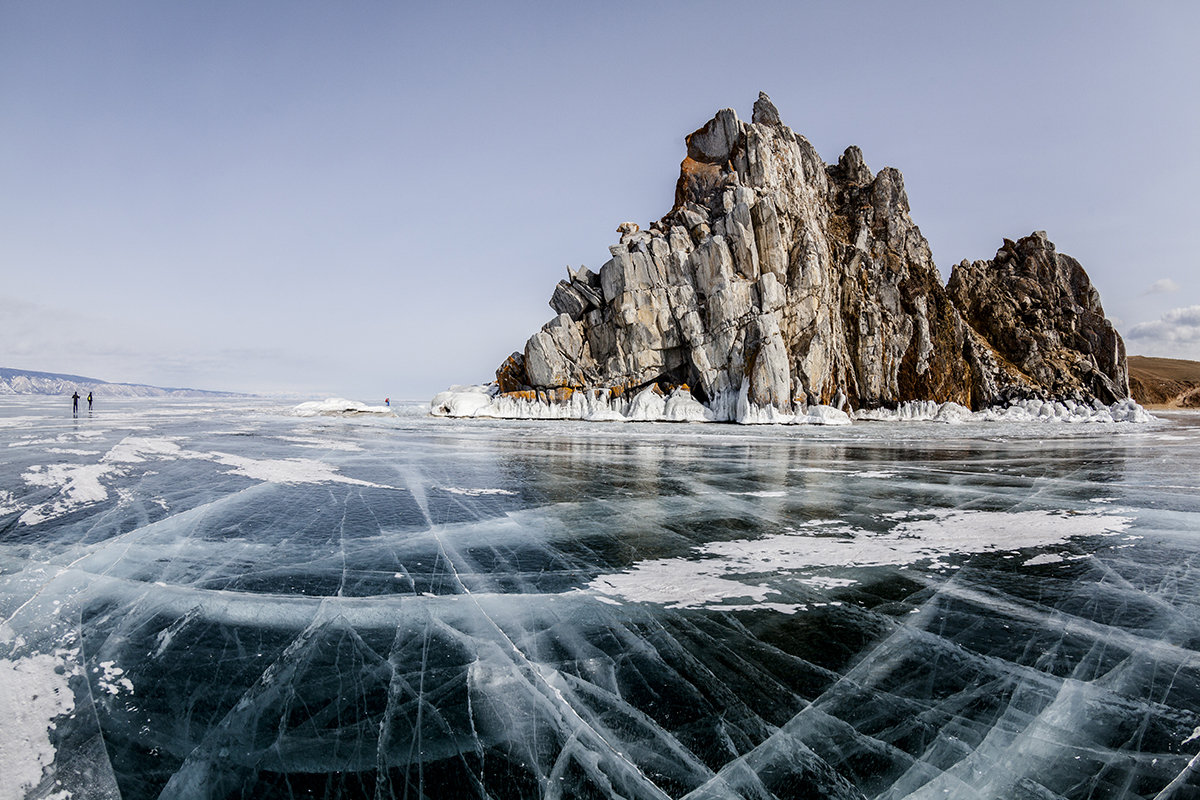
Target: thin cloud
x,y
1163,286
1176,334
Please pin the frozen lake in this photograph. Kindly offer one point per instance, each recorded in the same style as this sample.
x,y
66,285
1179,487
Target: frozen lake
x,y
207,599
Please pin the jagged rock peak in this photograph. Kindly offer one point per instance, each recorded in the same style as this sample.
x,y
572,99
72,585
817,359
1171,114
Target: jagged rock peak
x,y
765,112
714,143
778,282
852,169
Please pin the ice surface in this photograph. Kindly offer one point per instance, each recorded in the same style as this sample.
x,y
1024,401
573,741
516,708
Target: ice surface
x,y
222,600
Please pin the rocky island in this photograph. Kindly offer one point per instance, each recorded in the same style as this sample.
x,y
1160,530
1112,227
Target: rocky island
x,y
779,288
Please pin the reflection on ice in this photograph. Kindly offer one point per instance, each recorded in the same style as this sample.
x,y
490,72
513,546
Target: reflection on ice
x,y
230,602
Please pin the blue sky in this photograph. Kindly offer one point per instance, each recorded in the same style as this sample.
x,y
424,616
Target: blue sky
x,y
376,199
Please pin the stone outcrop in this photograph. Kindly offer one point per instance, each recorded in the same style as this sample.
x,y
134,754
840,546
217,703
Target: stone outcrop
x,y
1039,311
785,283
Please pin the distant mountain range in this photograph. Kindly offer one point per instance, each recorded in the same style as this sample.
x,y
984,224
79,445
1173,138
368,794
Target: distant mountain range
x,y
20,381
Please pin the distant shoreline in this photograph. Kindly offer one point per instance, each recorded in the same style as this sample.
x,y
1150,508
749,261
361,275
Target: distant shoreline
x,y
29,382
1164,383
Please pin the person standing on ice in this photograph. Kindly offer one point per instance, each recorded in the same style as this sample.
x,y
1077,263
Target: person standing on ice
x,y
387,401
89,401
75,403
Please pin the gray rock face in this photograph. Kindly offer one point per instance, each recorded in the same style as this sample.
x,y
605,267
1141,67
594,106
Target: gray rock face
x,y
799,282
1039,311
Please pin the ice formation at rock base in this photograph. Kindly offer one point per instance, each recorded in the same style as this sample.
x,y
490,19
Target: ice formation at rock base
x,y
652,405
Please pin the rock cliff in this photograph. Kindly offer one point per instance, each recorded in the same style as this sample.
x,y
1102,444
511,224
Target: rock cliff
x,y
781,283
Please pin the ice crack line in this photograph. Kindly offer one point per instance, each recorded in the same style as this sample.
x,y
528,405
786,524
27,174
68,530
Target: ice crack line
x,y
417,489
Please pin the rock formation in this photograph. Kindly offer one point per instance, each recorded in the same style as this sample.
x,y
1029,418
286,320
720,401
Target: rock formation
x,y
781,283
1042,316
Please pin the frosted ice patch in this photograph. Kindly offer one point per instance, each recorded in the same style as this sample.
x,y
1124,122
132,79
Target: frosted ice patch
x,y
110,678
80,484
828,582
718,570
34,693
763,494
136,449
77,484
474,492
1195,735
1049,558
289,470
322,444
671,583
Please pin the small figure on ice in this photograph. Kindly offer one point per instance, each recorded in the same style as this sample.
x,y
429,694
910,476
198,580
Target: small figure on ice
x,y
89,401
387,401
75,403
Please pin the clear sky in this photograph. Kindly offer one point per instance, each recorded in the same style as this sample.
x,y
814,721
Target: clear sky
x,y
376,199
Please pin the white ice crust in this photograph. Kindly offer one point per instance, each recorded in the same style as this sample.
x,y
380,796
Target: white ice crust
x,y
34,692
486,401
338,406
648,405
830,555
80,485
1067,411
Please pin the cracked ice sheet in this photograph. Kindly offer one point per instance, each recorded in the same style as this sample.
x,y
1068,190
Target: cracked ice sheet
x,y
270,639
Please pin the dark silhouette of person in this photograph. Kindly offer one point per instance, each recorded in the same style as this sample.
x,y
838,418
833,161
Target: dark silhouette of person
x,y
89,401
75,403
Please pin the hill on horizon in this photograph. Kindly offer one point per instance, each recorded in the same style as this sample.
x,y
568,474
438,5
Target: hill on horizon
x,y
22,381
1168,382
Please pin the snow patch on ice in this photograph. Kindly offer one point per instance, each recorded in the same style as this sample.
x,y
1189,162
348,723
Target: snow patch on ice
x,y
664,582
34,693
77,484
80,484
288,470
110,679
475,492
136,449
718,569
